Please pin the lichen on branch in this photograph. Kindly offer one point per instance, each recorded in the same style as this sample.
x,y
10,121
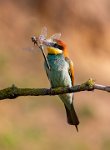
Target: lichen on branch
x,y
14,92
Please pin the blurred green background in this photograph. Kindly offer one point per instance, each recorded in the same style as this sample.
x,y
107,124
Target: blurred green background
x,y
40,122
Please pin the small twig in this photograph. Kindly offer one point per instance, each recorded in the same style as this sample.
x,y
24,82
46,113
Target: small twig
x,y
13,91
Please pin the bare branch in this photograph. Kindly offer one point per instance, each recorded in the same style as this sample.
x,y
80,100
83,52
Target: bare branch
x,y
13,91
102,87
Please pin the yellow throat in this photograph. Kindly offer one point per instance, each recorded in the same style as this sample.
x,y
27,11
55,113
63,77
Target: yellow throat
x,y
55,51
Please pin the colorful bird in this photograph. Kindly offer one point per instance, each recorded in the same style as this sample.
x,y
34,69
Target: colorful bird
x,y
61,74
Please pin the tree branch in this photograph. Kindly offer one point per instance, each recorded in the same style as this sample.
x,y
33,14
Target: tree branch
x,y
13,91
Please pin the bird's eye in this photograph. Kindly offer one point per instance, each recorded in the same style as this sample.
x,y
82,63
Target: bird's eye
x,y
55,45
58,46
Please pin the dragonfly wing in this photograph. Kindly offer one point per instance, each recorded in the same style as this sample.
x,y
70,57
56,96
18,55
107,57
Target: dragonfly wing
x,y
43,35
44,32
56,36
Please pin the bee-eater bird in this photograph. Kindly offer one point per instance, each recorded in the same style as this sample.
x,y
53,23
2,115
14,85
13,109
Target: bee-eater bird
x,y
61,74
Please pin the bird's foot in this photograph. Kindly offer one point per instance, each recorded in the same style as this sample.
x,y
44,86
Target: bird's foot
x,y
50,94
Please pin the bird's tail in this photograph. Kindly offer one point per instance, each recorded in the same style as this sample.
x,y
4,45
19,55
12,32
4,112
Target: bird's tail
x,y
72,118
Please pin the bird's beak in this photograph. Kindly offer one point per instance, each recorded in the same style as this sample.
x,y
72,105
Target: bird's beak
x,y
48,43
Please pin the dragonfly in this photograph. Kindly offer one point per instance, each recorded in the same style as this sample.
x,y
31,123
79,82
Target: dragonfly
x,y
41,40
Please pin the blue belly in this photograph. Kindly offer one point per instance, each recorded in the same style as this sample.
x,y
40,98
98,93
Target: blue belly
x,y
58,75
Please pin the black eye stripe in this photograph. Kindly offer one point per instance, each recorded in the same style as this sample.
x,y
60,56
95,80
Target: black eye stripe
x,y
58,46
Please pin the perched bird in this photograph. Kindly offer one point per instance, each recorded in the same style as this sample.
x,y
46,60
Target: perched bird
x,y
61,74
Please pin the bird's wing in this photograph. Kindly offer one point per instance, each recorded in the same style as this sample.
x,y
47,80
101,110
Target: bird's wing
x,y
71,69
